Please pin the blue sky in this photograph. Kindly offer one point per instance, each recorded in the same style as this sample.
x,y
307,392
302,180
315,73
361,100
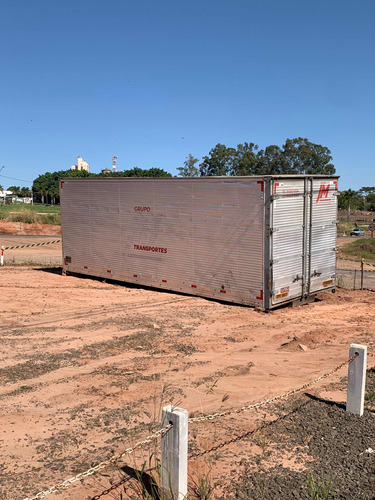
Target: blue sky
x,y
153,81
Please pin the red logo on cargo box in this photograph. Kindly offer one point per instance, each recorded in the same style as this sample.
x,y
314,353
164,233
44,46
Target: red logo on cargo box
x,y
147,248
323,192
142,209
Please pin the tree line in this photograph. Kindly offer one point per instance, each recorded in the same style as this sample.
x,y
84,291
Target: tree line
x,y
295,156
18,191
363,199
46,186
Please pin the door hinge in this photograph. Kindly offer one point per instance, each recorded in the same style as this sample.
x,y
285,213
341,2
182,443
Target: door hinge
x,y
298,278
315,273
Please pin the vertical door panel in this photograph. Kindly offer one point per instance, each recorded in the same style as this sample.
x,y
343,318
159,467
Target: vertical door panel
x,y
323,234
288,214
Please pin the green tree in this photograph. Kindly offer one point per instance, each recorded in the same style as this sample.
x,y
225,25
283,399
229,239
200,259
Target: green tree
x,y
136,172
151,172
349,199
16,190
297,156
189,169
304,157
368,198
25,191
219,162
370,201
271,161
46,186
245,160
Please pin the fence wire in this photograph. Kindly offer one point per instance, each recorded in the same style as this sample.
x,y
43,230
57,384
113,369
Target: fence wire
x,y
351,278
101,465
163,430
270,400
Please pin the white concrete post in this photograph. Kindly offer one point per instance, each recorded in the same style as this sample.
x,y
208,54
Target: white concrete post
x,y
174,449
356,379
2,256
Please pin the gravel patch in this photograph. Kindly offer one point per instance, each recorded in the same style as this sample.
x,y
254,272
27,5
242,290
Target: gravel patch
x,y
322,443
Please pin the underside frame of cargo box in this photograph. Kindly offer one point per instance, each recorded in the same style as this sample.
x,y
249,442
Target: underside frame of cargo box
x,y
261,241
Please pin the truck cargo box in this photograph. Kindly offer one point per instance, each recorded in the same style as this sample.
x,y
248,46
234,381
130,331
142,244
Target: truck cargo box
x,y
261,241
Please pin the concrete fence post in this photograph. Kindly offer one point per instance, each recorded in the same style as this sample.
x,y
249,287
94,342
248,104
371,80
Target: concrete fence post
x,y
174,449
356,379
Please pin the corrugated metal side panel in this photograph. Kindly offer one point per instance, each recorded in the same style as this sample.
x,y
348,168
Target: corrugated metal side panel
x,y
287,239
235,229
323,234
75,213
199,236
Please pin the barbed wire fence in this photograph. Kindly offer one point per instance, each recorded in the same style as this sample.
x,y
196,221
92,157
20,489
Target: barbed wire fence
x,y
355,352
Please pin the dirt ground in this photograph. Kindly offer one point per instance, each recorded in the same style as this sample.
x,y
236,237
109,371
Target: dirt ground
x,y
86,366
21,234
22,228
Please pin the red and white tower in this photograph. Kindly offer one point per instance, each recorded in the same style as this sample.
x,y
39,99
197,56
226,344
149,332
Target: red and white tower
x,y
114,163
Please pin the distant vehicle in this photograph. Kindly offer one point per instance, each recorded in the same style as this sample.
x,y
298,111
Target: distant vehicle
x,y
357,232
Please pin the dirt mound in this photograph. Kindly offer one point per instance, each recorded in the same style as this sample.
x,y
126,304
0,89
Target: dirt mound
x,y
25,228
312,340
366,247
341,296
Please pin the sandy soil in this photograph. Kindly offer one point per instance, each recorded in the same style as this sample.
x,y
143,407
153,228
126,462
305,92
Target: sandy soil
x,y
86,366
24,228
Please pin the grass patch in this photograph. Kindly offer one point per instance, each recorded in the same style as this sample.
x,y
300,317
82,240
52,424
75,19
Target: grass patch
x,y
26,388
370,396
321,489
344,228
186,349
370,386
37,213
361,249
30,262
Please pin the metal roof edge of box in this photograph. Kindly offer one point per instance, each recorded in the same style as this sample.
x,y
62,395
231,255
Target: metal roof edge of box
x,y
261,241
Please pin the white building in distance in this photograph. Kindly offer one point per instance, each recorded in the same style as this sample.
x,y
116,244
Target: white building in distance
x,y
81,165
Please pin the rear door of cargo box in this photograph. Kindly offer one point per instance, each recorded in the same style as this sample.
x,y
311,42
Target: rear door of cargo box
x,y
289,214
323,232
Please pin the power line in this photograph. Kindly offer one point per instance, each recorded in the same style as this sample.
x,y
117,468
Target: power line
x,y
14,179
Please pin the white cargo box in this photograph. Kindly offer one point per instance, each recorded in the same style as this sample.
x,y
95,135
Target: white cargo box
x,y
261,241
